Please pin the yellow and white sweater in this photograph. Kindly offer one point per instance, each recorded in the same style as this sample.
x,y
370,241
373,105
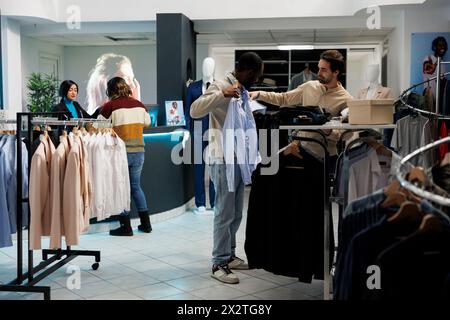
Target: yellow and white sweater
x,y
129,117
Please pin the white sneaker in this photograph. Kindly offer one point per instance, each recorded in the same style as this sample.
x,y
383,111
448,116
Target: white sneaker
x,y
201,209
224,274
237,264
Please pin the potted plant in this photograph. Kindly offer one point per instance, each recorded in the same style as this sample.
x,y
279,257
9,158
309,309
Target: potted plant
x,y
42,92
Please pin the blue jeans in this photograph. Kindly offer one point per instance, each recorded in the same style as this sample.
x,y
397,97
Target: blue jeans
x,y
227,213
135,163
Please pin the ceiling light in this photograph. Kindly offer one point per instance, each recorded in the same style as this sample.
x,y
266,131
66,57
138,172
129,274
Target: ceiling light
x,y
296,47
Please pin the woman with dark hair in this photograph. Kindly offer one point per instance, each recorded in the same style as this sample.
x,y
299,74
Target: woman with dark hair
x,y
68,91
129,117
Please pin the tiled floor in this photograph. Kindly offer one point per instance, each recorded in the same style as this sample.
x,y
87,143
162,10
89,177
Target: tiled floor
x,y
171,263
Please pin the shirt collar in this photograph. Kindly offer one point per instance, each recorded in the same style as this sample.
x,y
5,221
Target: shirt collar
x,y
338,88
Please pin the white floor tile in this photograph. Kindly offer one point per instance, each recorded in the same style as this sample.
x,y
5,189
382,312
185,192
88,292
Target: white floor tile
x,y
192,283
252,285
133,281
156,291
218,292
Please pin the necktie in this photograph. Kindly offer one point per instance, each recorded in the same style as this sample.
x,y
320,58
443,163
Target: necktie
x,y
207,85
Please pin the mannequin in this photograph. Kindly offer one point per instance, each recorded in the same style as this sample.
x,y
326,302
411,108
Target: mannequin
x,y
304,76
195,90
374,90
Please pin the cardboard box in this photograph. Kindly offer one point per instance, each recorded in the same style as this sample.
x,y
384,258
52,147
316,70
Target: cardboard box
x,y
371,111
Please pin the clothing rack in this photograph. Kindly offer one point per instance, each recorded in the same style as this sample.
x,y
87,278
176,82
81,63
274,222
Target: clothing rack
x,y
444,201
25,122
402,98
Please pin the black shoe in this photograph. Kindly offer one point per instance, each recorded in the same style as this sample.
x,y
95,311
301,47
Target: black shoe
x,y
124,229
145,225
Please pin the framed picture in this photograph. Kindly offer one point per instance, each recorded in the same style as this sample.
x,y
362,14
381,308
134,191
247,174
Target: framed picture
x,y
175,113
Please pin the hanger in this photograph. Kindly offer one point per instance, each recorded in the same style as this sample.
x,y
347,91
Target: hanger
x,y
418,175
380,149
446,160
430,223
409,212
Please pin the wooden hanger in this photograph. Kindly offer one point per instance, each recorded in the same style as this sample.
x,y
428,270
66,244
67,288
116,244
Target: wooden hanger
x,y
417,174
380,149
430,223
393,195
446,160
409,212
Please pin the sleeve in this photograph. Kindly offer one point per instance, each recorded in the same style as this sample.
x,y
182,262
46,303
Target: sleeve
x,y
83,112
207,102
37,198
71,199
293,97
106,111
55,204
147,120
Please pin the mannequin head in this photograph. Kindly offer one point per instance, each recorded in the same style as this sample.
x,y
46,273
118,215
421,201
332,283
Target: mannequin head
x,y
372,73
208,68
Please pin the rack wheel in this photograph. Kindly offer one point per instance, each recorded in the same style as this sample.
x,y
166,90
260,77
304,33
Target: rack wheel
x,y
95,266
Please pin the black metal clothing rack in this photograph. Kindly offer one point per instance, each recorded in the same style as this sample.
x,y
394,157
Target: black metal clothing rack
x,y
42,270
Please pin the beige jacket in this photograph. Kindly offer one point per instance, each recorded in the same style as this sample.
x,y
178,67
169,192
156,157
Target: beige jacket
x,y
382,93
214,103
313,93
39,195
77,193
57,175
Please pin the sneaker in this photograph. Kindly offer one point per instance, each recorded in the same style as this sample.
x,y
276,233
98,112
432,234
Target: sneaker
x,y
224,274
237,264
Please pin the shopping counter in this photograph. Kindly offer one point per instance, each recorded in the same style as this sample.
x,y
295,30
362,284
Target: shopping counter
x,y
166,185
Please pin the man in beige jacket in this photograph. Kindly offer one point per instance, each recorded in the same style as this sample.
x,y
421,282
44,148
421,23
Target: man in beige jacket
x,y
228,205
326,92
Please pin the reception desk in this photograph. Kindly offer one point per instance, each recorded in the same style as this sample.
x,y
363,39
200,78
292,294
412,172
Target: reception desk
x,y
166,185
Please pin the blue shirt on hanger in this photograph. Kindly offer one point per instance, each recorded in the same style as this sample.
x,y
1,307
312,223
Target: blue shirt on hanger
x,y
240,140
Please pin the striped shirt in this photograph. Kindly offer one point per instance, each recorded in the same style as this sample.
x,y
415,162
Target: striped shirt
x,y
129,117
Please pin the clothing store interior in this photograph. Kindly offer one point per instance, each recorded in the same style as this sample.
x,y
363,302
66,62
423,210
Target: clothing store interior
x,y
297,151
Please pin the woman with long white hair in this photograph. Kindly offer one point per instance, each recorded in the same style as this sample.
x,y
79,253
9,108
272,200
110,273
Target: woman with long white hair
x,y
109,65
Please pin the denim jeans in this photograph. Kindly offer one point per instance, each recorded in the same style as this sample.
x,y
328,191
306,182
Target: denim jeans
x,y
135,163
227,212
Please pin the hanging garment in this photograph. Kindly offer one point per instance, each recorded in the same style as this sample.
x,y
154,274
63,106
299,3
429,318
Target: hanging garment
x,y
109,166
365,235
371,173
39,195
301,78
291,245
77,192
407,136
8,187
443,133
240,140
5,227
57,175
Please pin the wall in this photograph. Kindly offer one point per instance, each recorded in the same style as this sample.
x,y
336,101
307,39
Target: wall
x,y
202,53
421,20
78,61
11,64
134,10
31,51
